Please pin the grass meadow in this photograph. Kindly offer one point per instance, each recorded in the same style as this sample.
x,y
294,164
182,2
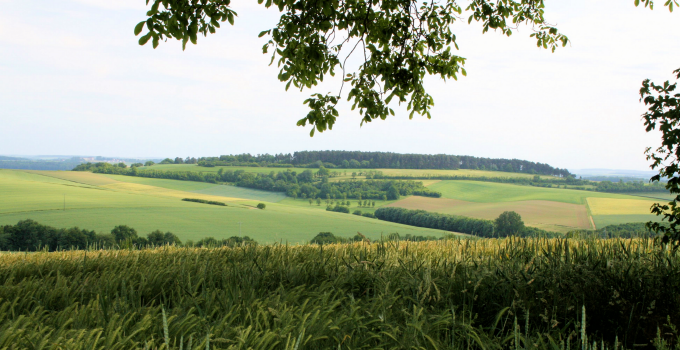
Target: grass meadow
x,y
146,208
452,294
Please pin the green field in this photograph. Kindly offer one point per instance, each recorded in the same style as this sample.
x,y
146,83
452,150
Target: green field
x,y
204,188
657,196
604,220
485,192
146,207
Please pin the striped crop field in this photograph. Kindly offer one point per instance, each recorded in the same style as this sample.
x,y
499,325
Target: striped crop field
x,y
552,209
547,215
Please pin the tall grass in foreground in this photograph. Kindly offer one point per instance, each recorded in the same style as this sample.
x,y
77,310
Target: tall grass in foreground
x,y
457,294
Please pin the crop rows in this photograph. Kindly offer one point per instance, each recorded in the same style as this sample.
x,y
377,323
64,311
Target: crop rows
x,y
513,293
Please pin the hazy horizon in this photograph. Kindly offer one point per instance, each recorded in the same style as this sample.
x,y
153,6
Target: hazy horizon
x,y
576,171
75,79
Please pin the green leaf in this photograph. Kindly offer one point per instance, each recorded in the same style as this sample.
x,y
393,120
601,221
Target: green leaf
x,y
139,27
263,33
144,39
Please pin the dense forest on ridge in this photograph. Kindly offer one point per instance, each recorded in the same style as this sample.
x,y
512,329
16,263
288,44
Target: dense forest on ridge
x,y
385,160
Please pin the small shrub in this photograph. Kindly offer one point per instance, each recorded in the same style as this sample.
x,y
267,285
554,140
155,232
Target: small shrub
x,y
338,208
204,201
326,238
261,206
368,215
357,212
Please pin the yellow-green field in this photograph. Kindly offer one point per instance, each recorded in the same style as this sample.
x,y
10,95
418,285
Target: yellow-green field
x,y
551,209
99,202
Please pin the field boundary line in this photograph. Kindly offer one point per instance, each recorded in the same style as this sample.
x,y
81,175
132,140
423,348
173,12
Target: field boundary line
x,y
590,214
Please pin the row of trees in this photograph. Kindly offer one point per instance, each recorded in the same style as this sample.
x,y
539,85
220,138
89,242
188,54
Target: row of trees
x,y
306,184
30,236
629,187
507,224
628,230
330,238
179,160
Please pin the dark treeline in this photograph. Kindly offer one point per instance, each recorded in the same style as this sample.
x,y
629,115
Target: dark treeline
x,y
629,187
30,236
423,161
388,160
197,200
306,184
461,224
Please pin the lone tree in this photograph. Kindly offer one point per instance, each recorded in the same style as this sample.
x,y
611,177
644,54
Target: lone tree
x,y
400,41
509,223
123,232
325,238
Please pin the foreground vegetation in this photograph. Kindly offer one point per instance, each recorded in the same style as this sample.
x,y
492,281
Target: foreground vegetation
x,y
452,294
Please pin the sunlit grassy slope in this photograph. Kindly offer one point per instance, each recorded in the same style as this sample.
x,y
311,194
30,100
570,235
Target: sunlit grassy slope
x,y
146,208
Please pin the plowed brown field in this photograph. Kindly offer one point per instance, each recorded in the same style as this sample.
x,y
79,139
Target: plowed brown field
x,y
549,215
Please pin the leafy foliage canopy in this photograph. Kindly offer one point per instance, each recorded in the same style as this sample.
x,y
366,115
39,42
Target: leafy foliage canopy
x,y
664,113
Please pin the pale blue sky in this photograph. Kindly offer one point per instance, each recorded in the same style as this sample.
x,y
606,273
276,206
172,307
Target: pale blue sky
x,y
74,81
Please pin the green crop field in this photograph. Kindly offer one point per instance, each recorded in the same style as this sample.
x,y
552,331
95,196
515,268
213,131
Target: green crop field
x,y
656,196
475,191
204,188
452,294
146,207
604,220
